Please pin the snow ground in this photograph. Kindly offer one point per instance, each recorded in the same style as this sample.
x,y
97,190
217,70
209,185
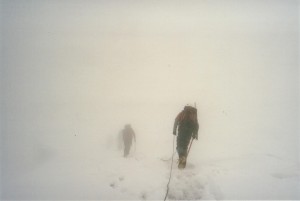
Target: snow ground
x,y
107,175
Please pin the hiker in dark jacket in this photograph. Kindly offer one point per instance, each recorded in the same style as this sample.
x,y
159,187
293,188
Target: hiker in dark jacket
x,y
128,135
188,126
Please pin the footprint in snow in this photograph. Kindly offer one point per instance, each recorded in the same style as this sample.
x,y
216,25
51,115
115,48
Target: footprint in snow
x,y
186,186
144,196
113,185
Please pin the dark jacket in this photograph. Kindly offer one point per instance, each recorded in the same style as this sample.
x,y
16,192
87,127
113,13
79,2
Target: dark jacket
x,y
187,120
128,135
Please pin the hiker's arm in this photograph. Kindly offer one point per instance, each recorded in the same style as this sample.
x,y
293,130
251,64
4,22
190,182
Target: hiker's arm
x,y
195,133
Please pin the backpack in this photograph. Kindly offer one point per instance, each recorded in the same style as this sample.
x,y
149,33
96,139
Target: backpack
x,y
188,117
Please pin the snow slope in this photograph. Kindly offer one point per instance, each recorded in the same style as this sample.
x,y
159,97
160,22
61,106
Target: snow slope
x,y
244,177
106,175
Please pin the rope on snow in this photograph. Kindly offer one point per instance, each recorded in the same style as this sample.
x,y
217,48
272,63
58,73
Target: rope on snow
x,y
170,170
172,164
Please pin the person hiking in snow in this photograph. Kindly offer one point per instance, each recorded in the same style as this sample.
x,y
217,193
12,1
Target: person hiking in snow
x,y
187,123
128,135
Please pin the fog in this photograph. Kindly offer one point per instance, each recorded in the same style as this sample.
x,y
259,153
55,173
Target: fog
x,y
73,73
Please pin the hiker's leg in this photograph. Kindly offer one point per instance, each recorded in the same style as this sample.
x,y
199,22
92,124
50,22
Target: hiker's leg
x,y
126,149
183,140
129,146
179,145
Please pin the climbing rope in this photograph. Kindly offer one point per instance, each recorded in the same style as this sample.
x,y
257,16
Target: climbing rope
x,y
170,170
172,164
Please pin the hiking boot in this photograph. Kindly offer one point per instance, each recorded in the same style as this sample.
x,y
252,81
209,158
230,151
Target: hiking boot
x,y
182,162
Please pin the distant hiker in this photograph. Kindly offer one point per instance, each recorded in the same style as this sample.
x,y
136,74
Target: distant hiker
x,y
188,126
128,135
